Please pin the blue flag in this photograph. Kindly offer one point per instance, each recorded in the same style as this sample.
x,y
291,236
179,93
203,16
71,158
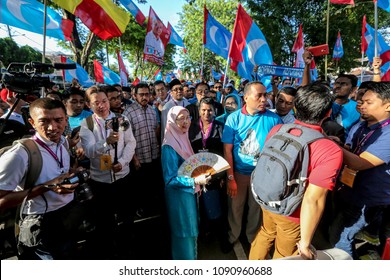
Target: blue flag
x,y
338,50
110,77
249,47
217,76
79,73
28,15
216,37
384,4
175,39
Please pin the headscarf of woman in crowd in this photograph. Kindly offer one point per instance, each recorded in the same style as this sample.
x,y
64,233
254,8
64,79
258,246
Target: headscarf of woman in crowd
x,y
175,135
229,107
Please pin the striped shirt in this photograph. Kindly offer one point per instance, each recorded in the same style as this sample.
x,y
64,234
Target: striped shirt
x,y
144,124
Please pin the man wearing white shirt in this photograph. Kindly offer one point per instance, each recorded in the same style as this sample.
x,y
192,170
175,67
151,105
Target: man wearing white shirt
x,y
109,177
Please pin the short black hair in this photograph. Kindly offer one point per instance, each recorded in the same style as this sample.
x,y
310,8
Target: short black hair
x,y
208,101
292,91
107,89
248,85
159,82
202,84
72,91
47,104
352,78
312,103
141,85
382,89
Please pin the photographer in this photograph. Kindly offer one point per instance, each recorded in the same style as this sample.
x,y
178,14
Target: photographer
x,y
47,228
110,150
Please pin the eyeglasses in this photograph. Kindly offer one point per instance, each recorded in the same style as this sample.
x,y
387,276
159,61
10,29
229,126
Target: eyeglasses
x,y
183,119
202,91
177,89
217,86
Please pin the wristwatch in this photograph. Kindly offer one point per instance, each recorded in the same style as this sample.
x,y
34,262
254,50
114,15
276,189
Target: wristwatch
x,y
230,177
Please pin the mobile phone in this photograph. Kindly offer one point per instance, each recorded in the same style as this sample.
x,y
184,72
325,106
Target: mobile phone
x,y
74,131
319,50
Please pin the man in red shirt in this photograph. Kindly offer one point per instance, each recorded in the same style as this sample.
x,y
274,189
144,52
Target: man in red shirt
x,y
290,234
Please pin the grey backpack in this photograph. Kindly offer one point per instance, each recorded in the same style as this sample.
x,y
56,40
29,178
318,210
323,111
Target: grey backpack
x,y
279,180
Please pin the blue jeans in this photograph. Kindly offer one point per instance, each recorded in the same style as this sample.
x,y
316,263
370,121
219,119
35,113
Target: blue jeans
x,y
349,220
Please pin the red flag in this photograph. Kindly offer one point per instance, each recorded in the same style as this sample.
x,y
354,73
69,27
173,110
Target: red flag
x,y
67,28
98,69
241,28
122,70
136,81
156,39
364,44
347,2
298,48
102,17
298,44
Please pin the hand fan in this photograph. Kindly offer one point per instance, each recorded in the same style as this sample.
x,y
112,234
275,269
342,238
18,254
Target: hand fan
x,y
202,163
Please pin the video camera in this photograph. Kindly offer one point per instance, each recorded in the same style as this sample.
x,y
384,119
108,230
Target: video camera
x,y
26,78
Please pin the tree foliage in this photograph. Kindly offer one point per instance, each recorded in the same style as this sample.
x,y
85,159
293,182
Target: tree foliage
x,y
280,26
191,25
11,52
279,21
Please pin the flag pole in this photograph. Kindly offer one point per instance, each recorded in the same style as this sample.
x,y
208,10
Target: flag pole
x,y
362,70
201,70
376,28
224,79
327,39
44,30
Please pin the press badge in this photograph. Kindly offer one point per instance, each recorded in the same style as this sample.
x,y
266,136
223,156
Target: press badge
x,y
105,162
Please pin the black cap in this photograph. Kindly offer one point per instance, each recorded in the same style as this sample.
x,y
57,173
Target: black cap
x,y
173,83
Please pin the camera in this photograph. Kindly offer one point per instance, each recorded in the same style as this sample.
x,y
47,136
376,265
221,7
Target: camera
x,y
27,78
80,177
83,192
117,123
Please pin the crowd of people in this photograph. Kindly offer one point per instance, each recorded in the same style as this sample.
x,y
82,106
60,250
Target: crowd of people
x,y
131,142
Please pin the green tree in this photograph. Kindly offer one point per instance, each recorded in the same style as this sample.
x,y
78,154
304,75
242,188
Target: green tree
x,y
11,52
191,24
280,26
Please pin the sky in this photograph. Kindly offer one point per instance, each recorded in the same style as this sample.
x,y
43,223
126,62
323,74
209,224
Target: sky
x,y
166,10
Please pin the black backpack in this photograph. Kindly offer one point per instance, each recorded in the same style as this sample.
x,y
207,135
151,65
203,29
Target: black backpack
x,y
279,180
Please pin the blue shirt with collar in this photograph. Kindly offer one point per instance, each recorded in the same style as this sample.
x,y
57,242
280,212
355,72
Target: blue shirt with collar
x,y
372,186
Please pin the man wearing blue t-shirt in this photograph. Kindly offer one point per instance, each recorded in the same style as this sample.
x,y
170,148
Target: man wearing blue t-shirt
x,y
243,137
74,101
344,109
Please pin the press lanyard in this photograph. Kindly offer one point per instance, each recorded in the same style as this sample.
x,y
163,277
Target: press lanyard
x,y
102,130
43,145
206,135
362,142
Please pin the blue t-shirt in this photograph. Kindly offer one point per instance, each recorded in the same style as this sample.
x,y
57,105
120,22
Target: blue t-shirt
x,y
372,186
76,120
345,115
247,133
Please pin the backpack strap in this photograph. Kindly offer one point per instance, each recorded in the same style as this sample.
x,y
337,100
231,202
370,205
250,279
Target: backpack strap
x,y
35,161
90,123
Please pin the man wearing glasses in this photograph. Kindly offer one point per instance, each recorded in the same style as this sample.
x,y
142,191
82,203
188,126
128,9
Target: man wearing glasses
x,y
178,99
143,120
202,90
